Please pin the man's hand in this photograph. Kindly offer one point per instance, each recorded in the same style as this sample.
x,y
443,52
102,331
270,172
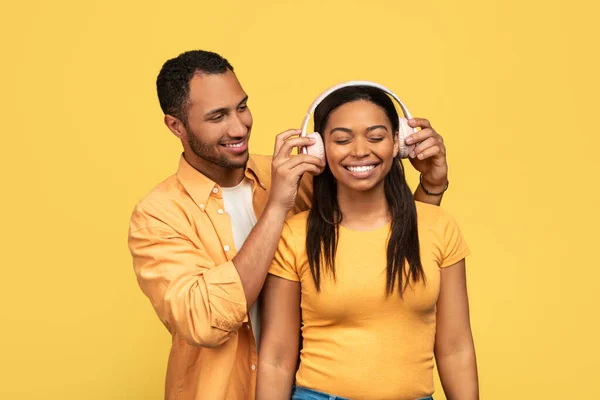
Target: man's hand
x,y
287,170
429,157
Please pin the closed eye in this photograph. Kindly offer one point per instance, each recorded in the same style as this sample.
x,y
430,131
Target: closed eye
x,y
217,118
342,141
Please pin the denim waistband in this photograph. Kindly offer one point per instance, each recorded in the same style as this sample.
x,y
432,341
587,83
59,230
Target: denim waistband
x,y
302,393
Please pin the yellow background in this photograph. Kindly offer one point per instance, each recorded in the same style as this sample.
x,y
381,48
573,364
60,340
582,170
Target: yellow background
x,y
511,85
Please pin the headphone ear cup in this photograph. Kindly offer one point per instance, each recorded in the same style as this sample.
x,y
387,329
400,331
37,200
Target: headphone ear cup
x,y
317,149
404,130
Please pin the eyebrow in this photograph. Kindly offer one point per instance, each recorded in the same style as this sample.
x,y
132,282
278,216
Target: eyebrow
x,y
372,128
347,130
225,109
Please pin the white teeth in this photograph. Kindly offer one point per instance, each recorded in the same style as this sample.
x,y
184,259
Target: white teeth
x,y
361,169
235,145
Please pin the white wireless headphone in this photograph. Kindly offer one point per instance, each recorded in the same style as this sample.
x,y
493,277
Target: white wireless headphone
x,y
318,149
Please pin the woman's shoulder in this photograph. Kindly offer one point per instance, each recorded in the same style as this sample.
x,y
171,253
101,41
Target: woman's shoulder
x,y
297,223
431,215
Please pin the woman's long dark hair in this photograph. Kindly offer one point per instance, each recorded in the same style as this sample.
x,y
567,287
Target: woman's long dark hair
x,y
325,217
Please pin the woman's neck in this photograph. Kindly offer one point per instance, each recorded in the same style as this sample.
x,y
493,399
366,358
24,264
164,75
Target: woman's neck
x,y
363,211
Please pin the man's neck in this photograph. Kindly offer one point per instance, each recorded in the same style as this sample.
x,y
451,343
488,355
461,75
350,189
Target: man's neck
x,y
224,177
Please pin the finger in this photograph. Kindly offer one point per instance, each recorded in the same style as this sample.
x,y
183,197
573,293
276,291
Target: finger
x,y
282,137
427,144
422,146
419,123
294,161
429,153
304,168
286,148
420,136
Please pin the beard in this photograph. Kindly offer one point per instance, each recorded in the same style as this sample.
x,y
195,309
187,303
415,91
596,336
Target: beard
x,y
210,153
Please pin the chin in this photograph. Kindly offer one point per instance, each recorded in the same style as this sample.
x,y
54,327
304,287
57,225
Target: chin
x,y
240,161
364,188
358,186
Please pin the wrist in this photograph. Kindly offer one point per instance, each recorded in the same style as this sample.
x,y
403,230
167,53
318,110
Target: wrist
x,y
433,188
276,211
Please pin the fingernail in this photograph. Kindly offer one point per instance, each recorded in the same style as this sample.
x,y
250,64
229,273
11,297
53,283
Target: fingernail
x,y
412,154
421,156
409,140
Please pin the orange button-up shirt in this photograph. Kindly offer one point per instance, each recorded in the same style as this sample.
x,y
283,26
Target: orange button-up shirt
x,y
182,245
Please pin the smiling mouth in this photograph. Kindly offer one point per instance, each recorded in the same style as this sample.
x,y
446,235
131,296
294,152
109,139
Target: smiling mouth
x,y
235,145
364,168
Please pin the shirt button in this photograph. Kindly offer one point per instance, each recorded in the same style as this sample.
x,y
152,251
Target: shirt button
x,y
219,211
202,207
253,367
226,247
215,190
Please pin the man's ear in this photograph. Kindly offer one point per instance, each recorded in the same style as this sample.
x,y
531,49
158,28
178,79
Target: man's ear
x,y
175,126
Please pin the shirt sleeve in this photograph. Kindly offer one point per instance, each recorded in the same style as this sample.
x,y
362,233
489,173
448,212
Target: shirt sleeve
x,y
305,195
284,262
203,302
454,247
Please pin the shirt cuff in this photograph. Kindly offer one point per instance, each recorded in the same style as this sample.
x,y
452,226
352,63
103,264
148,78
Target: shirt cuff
x,y
226,297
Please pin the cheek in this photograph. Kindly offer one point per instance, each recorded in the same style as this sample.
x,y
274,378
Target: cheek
x,y
386,151
333,155
247,118
207,133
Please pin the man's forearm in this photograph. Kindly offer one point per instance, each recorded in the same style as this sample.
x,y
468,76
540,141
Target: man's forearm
x,y
254,258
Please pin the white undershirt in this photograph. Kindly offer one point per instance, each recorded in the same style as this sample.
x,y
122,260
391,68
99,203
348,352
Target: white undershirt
x,y
238,204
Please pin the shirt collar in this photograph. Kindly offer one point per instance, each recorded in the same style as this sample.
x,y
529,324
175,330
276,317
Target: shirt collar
x,y
200,187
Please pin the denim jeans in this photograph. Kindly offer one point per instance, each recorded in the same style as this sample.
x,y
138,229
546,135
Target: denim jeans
x,y
300,393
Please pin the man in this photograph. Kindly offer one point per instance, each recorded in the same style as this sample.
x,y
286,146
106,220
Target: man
x,y
202,240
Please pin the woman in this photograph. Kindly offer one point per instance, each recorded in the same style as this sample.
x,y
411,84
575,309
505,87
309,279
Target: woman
x,y
368,273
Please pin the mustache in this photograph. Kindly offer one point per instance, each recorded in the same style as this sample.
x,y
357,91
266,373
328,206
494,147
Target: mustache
x,y
228,139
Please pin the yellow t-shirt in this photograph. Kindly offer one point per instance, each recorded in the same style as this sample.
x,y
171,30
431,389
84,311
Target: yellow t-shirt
x,y
358,343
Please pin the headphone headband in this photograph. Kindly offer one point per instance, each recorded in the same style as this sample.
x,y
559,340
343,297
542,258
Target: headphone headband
x,y
326,93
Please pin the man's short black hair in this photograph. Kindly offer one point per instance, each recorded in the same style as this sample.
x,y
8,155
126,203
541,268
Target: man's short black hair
x,y
173,81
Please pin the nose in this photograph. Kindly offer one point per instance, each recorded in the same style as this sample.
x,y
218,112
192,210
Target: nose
x,y
237,127
360,148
